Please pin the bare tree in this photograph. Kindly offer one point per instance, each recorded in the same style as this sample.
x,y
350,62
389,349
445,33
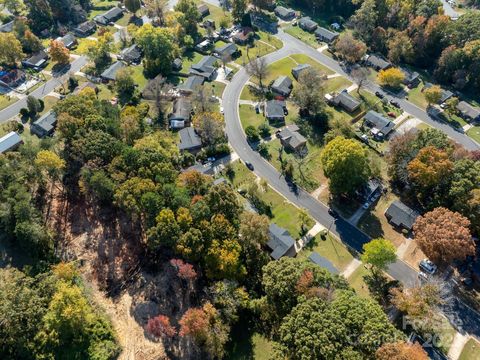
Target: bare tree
x,y
308,95
203,99
158,90
156,9
258,68
360,76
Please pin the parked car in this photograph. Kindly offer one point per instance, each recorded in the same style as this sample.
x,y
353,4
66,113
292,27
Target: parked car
x,y
211,159
395,103
221,110
332,212
249,165
392,114
427,266
422,276
364,138
379,94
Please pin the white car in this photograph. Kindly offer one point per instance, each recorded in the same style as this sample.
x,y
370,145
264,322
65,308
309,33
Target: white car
x,y
422,276
427,266
221,110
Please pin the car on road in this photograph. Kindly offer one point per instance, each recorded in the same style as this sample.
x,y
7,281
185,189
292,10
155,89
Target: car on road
x,y
395,103
366,205
332,212
249,165
379,94
221,110
427,266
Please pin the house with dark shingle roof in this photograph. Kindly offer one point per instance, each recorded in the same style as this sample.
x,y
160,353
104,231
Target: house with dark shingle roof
x,y
85,29
377,62
37,61
291,139
69,41
412,78
229,50
189,140
446,94
203,10
205,68
380,125
307,24
131,55
297,70
326,35
110,16
401,216
7,27
281,242
10,142
468,112
45,125
110,74
282,86
275,111
192,83
284,13
181,114
346,101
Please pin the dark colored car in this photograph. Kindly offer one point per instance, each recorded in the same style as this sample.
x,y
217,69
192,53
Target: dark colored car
x,y
379,94
249,165
332,212
394,103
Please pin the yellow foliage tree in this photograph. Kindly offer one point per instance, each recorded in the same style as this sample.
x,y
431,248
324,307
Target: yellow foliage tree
x,y
392,77
59,53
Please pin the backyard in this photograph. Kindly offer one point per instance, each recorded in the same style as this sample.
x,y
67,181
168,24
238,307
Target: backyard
x,y
470,350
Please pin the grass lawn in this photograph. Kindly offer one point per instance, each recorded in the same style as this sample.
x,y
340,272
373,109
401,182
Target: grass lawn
x,y
452,119
138,77
304,59
269,39
304,36
260,48
445,335
104,92
255,347
356,281
218,88
217,13
246,94
249,117
416,97
337,84
471,350
189,58
330,249
49,102
280,67
6,100
124,20
474,133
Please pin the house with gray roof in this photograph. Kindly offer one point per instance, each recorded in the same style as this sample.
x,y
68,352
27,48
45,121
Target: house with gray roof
x,y
282,86
377,62
323,262
297,70
108,17
346,101
229,50
284,13
10,142
307,24
189,140
468,112
131,55
177,64
291,139
326,35
281,242
412,78
37,61
275,111
7,27
205,68
85,29
69,41
380,125
401,216
45,125
110,74
203,10
446,94
192,83
181,114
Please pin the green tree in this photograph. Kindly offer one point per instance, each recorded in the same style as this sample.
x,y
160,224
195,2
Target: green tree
x,y
252,133
433,95
221,199
125,85
34,106
346,164
308,95
379,253
10,50
133,6
190,18
129,194
239,7
166,231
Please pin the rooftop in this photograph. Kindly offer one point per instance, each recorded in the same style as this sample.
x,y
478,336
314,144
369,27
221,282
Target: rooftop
x,y
347,101
189,139
283,85
323,262
380,122
9,141
378,62
280,241
275,109
468,110
111,72
45,124
326,34
401,215
227,50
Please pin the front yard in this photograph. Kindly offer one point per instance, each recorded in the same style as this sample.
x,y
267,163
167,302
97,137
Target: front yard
x,y
330,249
474,133
6,100
304,36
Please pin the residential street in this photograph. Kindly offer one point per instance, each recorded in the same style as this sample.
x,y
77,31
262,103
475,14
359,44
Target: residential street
x,y
43,90
350,235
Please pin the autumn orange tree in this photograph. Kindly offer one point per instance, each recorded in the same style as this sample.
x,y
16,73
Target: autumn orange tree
x,y
59,53
429,168
160,327
444,235
401,351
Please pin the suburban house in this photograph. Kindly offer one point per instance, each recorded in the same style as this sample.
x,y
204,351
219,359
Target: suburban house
x,y
380,125
177,64
344,100
12,78
446,94
110,74
10,142
205,68
69,41
108,17
297,70
131,55
282,86
203,10
412,78
189,140
7,27
369,189
468,112
181,114
292,139
275,111
401,216
192,83
323,262
284,13
37,61
203,46
307,24
281,242
85,29
85,85
45,125
227,51
242,37
377,62
326,35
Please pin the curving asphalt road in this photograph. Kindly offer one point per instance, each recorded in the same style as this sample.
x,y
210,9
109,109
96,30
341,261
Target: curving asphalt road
x,y
463,317
43,90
